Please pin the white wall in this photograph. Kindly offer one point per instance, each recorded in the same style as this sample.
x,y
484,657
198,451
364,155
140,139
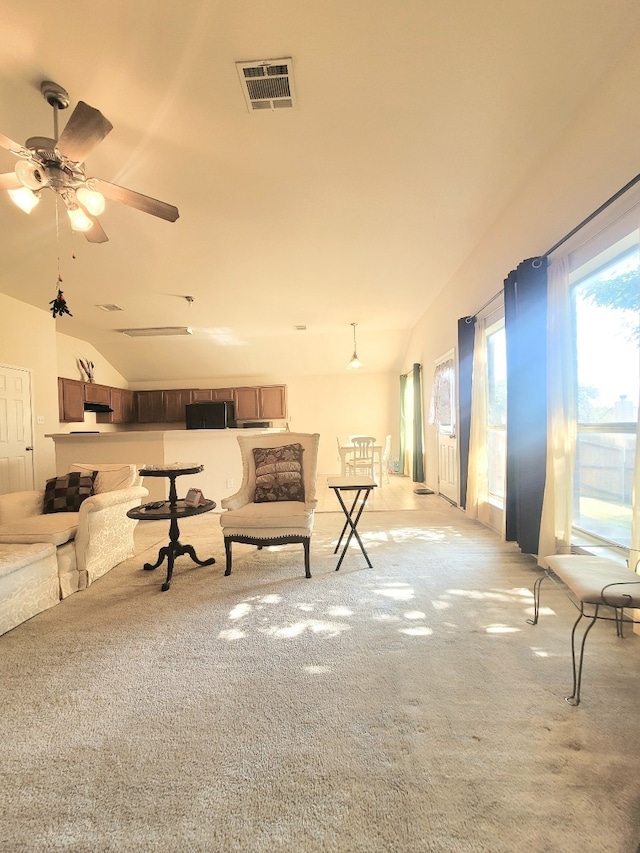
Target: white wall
x,y
70,349
28,340
598,154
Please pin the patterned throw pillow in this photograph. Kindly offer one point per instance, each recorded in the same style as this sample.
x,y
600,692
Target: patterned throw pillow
x,y
278,473
66,493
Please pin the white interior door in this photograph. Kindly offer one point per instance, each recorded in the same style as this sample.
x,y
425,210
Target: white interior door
x,y
16,438
448,466
444,416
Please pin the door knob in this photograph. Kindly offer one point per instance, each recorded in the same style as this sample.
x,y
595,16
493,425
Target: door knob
x,y
28,448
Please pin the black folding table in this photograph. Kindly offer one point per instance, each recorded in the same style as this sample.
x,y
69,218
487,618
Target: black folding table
x,y
361,486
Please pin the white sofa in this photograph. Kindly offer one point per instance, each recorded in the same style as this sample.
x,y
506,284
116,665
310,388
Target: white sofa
x,y
28,582
88,542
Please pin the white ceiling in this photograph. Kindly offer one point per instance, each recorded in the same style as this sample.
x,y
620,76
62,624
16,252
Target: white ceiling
x,y
416,121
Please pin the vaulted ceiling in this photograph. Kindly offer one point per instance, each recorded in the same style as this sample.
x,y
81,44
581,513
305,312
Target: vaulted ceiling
x,y
414,124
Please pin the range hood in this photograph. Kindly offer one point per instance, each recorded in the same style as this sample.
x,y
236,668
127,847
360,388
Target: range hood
x,y
99,408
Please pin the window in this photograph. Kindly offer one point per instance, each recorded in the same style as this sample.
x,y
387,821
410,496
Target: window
x,y
496,412
442,408
606,305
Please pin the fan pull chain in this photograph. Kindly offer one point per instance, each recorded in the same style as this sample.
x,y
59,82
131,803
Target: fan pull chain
x,y
59,304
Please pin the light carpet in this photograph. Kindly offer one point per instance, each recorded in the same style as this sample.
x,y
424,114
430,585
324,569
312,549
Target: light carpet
x,y
408,707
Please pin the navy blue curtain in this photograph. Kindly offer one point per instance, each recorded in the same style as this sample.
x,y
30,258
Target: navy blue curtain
x,y
466,333
525,306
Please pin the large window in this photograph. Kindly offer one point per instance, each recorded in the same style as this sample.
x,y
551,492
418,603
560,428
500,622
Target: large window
x,y
496,412
606,305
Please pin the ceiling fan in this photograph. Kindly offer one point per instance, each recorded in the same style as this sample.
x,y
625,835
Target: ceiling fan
x,y
58,163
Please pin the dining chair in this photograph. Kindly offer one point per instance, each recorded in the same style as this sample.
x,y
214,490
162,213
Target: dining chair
x,y
360,459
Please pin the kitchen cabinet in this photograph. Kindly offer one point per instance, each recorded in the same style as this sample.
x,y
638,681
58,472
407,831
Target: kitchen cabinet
x,y
121,401
149,407
252,403
201,395
224,394
173,403
272,402
70,400
247,407
97,393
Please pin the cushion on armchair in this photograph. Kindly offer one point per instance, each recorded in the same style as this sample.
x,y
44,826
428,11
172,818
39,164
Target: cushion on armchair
x,y
67,492
109,476
278,473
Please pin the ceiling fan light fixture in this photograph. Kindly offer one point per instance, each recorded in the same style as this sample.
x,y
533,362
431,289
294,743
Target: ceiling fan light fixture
x,y
91,200
24,198
30,175
355,362
79,219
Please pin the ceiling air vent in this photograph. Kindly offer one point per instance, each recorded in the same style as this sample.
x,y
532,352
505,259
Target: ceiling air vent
x,y
267,84
156,331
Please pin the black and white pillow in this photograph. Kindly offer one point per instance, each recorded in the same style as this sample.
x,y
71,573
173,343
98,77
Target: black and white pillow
x,y
66,493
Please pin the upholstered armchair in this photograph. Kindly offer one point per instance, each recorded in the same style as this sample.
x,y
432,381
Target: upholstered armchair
x,y
86,519
276,502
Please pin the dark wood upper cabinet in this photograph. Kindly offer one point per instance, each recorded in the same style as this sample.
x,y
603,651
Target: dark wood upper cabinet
x,y
149,407
173,404
247,404
97,393
121,401
201,395
272,402
70,400
224,394
260,402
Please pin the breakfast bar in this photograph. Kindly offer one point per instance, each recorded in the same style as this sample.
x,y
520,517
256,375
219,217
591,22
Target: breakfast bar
x,y
216,449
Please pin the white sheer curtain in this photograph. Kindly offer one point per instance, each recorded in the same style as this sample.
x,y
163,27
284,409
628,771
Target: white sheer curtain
x,y
440,411
478,479
557,506
634,554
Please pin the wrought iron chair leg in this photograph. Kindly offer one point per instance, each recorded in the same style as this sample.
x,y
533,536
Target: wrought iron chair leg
x,y
536,600
574,699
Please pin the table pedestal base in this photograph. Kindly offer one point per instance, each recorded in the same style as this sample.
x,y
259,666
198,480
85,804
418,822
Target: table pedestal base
x,y
175,549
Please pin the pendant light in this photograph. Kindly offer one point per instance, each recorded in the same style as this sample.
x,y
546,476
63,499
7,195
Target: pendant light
x,y
355,362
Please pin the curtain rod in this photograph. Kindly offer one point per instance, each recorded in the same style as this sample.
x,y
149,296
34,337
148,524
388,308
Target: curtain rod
x,y
593,215
566,237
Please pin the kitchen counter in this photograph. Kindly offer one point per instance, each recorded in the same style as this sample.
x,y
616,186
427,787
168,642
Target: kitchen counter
x,y
216,449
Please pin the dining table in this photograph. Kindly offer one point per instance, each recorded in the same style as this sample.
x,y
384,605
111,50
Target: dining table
x,y
346,449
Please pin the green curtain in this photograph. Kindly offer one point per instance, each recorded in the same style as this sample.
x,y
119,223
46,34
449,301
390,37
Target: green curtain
x,y
418,447
403,427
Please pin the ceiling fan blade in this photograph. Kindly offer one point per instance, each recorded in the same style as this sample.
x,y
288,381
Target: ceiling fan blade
x,y
10,181
10,145
96,233
142,202
86,128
